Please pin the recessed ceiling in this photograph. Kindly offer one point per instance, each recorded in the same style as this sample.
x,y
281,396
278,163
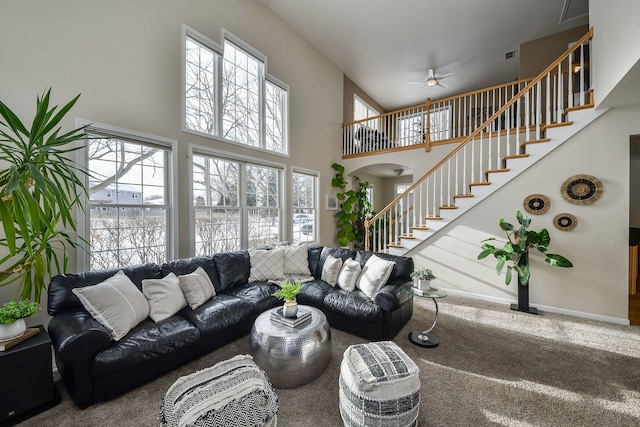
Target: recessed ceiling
x,y
382,45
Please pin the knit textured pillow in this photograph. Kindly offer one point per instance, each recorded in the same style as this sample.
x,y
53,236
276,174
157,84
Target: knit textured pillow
x,y
196,287
296,260
266,265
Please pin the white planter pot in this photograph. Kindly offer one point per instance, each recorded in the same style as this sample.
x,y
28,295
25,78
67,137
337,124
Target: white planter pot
x,y
424,285
290,309
13,330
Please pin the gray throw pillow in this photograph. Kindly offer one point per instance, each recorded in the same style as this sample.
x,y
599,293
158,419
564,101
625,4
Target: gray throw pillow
x,y
116,303
164,295
196,287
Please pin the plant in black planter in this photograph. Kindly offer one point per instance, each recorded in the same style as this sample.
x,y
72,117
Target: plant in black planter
x,y
514,255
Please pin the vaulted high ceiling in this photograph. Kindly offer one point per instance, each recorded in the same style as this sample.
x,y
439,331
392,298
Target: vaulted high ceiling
x,y
382,45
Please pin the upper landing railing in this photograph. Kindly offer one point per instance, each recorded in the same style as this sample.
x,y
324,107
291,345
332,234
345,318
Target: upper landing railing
x,y
450,119
501,134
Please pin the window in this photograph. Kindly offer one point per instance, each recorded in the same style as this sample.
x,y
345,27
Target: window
x,y
229,95
362,110
411,127
236,204
303,193
128,210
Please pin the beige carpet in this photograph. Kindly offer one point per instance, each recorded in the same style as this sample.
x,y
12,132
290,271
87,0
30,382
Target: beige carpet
x,y
494,367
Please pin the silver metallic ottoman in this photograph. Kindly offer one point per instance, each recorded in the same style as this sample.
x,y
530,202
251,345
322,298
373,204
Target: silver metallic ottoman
x,y
379,386
291,357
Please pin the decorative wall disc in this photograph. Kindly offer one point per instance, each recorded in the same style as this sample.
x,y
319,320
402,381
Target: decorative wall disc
x,y
581,189
565,221
536,204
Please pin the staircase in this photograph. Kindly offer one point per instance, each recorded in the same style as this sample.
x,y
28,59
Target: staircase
x,y
549,110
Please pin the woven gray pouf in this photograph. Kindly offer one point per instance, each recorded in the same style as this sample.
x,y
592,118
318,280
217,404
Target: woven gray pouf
x,y
379,386
234,392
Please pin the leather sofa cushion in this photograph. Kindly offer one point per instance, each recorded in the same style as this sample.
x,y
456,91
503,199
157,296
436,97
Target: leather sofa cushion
x,y
314,292
402,269
146,342
233,268
219,313
258,294
354,304
314,260
62,298
185,266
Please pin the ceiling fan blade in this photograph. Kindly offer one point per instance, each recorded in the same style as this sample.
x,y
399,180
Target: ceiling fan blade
x,y
445,76
440,84
416,83
431,74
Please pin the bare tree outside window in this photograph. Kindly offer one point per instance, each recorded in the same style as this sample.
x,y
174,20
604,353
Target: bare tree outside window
x,y
128,203
304,207
248,113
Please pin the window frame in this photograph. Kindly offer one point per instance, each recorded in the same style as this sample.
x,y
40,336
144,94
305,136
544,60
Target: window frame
x,y
265,77
136,137
316,200
243,160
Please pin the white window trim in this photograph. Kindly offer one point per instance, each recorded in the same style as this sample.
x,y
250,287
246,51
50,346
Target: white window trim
x,y
83,252
219,49
316,173
355,96
196,149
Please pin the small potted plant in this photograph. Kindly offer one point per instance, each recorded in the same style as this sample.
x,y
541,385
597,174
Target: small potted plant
x,y
12,316
424,276
288,292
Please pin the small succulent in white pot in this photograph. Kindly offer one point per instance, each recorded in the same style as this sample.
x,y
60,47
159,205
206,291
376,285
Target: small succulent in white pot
x,y
424,277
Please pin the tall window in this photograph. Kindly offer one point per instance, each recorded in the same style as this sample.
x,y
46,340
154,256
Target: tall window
x,y
362,110
229,95
236,204
304,220
128,202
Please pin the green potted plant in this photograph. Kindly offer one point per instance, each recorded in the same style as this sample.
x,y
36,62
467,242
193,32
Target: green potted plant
x,y
39,192
514,255
353,209
288,292
12,314
424,276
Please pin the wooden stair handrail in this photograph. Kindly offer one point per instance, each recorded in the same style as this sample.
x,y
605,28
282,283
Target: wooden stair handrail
x,y
471,136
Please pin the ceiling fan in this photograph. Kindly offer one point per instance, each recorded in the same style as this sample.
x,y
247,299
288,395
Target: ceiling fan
x,y
432,80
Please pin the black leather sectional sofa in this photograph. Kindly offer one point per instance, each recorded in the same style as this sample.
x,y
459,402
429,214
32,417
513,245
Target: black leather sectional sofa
x,y
96,368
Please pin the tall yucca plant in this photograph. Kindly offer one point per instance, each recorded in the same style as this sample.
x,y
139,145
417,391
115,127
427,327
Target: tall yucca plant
x,y
39,188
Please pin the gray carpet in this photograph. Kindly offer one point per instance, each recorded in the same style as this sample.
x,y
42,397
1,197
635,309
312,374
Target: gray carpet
x,y
494,367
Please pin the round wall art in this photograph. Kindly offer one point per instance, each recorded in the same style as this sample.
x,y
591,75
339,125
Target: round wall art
x,y
565,221
581,189
536,204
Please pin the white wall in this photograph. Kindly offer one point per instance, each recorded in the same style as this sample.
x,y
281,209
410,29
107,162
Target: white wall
x,y
598,246
615,45
125,58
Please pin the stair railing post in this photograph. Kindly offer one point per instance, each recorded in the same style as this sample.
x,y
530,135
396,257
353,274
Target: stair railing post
x,y
427,127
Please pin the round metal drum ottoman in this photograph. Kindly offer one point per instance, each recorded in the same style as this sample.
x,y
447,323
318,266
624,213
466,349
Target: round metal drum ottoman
x,y
291,356
379,386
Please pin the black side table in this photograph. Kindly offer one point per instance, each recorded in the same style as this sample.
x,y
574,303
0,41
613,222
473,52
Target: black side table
x,y
26,379
426,338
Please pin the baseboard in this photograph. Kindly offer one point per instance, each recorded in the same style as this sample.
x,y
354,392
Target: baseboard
x,y
550,309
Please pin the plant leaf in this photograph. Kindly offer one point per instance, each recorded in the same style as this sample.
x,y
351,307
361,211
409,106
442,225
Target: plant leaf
x,y
558,261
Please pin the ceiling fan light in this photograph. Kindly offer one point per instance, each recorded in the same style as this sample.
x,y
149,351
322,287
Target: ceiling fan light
x,y
432,82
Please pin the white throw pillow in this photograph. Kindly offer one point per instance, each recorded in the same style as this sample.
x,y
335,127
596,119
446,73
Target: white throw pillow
x,y
349,274
266,265
296,260
116,303
374,275
331,270
164,295
196,287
